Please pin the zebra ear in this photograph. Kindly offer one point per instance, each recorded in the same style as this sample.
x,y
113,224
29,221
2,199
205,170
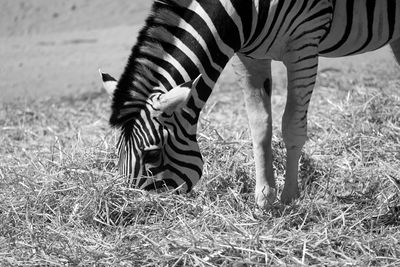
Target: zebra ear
x,y
109,83
177,96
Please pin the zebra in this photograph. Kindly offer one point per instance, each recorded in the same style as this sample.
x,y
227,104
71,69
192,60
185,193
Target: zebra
x,y
182,50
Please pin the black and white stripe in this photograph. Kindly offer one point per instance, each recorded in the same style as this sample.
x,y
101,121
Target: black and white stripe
x,y
361,26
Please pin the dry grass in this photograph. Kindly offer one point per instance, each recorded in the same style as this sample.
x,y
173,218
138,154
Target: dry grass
x,y
61,202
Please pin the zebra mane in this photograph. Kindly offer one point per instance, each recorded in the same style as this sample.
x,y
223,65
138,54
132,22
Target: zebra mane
x,y
139,79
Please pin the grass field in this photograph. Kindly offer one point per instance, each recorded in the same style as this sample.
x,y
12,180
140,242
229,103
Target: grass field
x,y
63,204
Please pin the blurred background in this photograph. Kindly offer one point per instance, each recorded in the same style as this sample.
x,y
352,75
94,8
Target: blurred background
x,y
54,47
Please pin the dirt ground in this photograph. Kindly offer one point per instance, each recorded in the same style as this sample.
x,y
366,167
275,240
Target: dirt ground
x,y
52,47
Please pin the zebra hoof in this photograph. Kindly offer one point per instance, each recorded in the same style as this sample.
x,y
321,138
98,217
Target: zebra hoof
x,y
289,195
265,197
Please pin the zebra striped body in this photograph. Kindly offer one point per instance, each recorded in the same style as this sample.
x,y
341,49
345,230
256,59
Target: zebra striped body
x,y
360,26
341,27
184,38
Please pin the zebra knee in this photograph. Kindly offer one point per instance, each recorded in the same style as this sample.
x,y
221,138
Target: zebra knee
x,y
294,125
293,140
294,133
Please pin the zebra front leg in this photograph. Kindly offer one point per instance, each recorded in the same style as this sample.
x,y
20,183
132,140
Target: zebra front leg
x,y
301,72
255,80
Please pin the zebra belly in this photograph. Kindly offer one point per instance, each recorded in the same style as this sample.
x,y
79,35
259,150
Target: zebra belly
x,y
360,26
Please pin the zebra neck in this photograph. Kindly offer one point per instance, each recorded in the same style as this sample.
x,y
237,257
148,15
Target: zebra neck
x,y
180,40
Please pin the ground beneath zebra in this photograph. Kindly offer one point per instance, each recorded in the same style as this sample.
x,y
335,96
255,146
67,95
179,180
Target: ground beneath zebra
x,y
62,202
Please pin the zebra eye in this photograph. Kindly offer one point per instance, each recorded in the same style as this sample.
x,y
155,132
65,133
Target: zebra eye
x,y
152,156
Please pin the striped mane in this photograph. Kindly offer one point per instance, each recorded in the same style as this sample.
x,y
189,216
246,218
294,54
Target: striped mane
x,y
140,77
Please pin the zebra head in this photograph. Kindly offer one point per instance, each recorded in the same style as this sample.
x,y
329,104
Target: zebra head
x,y
158,147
